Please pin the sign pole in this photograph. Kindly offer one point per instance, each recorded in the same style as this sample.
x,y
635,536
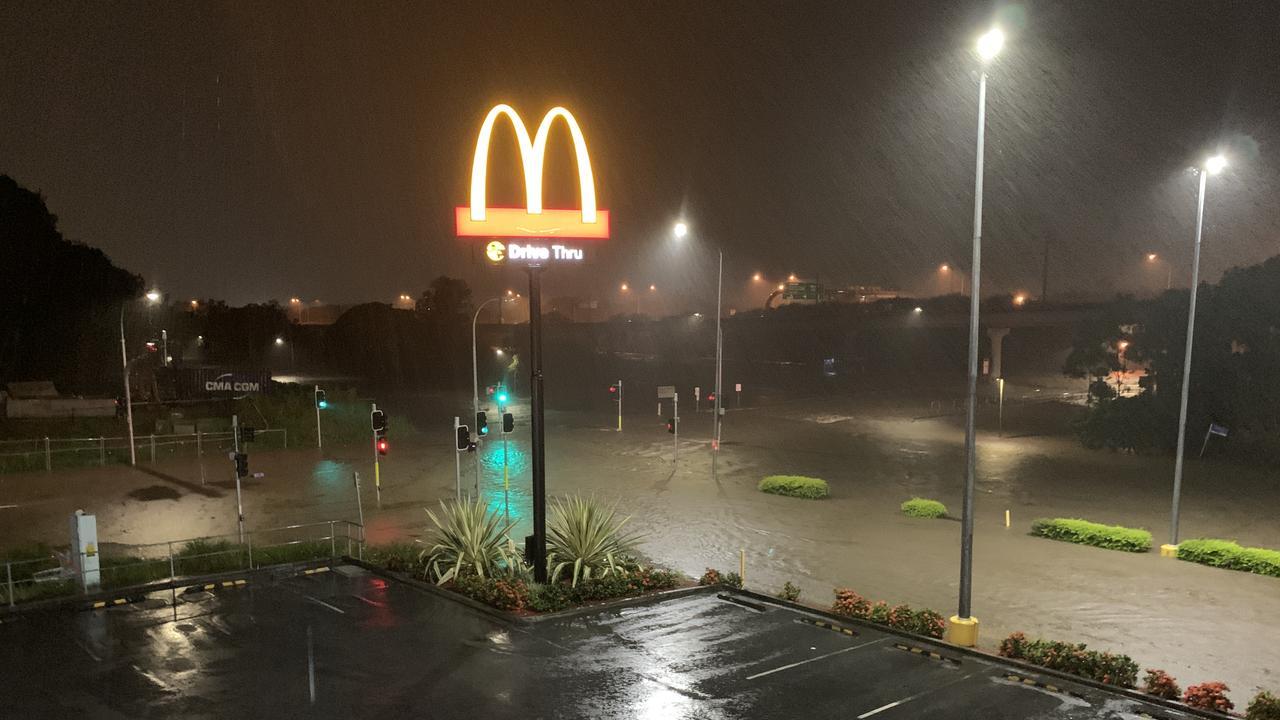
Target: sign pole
x,y
359,504
235,441
536,424
619,406
675,426
314,394
377,471
506,479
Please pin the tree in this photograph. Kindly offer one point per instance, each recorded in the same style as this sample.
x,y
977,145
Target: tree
x,y
447,300
59,300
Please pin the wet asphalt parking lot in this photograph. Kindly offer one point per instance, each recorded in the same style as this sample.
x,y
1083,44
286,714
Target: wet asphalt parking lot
x,y
348,644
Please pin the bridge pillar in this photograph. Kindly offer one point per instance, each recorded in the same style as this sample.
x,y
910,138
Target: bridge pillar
x,y
997,346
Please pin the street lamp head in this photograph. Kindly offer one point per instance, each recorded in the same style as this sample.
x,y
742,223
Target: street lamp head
x,y
1215,164
944,267
153,296
498,352
1019,299
279,340
195,304
917,310
756,277
990,43
782,286
680,230
1151,257
652,288
294,301
792,277
624,287
510,293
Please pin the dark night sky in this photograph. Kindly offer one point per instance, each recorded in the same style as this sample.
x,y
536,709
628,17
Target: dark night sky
x,y
252,151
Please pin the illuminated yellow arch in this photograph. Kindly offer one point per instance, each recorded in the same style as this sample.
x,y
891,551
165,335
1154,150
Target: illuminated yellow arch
x,y
532,157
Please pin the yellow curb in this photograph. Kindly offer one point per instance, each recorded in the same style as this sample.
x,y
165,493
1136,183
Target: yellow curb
x,y
1169,551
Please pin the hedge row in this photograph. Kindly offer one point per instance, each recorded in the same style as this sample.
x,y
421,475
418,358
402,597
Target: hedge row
x,y
1227,554
795,486
1073,658
1083,532
515,595
921,622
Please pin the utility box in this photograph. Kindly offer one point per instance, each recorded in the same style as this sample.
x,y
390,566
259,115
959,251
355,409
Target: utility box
x,y
84,550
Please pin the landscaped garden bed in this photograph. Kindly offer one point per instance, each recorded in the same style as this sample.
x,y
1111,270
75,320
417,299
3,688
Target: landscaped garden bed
x,y
795,486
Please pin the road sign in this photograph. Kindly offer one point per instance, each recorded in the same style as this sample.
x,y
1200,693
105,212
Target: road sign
x,y
737,387
666,392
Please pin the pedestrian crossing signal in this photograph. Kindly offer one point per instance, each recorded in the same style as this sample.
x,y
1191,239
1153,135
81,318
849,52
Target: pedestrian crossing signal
x,y
508,422
671,425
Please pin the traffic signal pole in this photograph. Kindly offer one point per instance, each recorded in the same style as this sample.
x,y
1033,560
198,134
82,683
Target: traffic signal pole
x,y
377,472
536,425
619,406
315,401
457,457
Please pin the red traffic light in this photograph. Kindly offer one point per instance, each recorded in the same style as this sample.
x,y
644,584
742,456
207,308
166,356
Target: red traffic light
x,y
711,397
383,446
613,388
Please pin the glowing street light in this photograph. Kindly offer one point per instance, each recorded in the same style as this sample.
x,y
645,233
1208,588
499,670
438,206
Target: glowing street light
x,y
782,286
153,296
680,230
294,301
756,277
1152,257
624,287
990,43
1019,300
792,277
1212,166
652,288
195,304
279,340
1168,279
963,626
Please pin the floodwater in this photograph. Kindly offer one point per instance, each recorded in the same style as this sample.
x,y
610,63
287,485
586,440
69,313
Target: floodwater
x,y
1196,622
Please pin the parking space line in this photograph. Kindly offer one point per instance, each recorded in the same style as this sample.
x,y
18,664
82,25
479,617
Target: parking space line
x,y
922,693
325,604
815,659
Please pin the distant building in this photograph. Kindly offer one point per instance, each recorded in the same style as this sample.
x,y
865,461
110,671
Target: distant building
x,y
807,292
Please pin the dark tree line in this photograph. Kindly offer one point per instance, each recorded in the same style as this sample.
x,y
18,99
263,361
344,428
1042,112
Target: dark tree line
x,y
1235,372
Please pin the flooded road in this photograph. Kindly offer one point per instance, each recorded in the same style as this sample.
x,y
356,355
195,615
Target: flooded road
x,y
1196,622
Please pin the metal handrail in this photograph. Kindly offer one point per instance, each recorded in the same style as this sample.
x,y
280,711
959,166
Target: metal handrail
x,y
149,566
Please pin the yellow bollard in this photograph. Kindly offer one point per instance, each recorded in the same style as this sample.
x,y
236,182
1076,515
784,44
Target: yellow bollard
x,y
1006,518
742,565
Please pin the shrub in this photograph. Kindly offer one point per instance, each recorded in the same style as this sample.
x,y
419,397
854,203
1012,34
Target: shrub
x,y
467,538
1263,706
1208,696
850,604
1161,684
710,577
396,557
923,508
930,624
921,622
550,597
1075,659
1083,532
789,592
585,538
1227,554
503,593
795,486
733,580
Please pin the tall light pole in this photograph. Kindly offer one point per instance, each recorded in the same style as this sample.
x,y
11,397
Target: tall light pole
x,y
153,296
475,385
1212,166
680,231
964,627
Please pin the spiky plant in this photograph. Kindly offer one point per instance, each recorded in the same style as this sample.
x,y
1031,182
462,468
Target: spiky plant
x,y
585,538
467,537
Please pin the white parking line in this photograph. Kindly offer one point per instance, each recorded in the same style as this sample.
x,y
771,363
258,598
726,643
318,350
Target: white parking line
x,y
325,604
909,698
815,659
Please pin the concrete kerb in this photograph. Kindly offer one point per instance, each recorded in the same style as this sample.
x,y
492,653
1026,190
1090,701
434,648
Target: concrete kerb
x,y
512,618
127,595
1017,667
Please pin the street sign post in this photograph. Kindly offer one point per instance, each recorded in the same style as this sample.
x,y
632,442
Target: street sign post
x,y
737,389
697,399
619,406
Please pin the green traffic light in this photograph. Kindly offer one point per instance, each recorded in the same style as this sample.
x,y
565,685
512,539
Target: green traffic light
x,y
324,404
502,397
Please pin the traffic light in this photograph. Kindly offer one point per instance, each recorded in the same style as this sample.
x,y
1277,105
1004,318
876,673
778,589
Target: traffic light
x,y
378,419
464,438
321,401
613,393
711,397
247,433
153,346
502,395
508,422
242,465
671,425
383,445
482,424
